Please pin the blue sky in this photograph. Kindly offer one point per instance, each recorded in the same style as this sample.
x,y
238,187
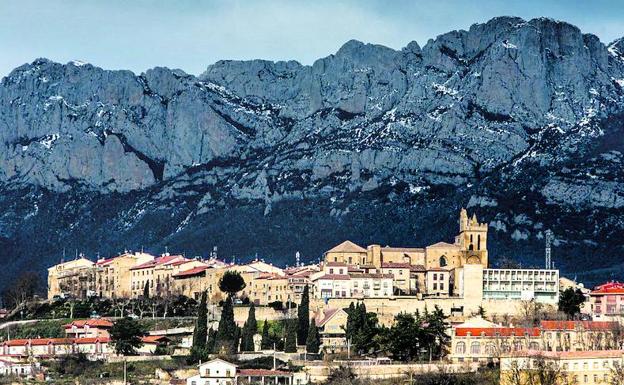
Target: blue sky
x,y
191,34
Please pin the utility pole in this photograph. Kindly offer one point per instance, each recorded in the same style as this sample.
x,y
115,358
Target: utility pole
x,y
125,373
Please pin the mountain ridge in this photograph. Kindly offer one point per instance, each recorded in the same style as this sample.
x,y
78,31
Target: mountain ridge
x,y
519,120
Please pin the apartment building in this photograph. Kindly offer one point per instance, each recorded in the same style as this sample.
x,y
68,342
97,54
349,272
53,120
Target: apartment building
x,y
438,282
521,284
157,274
582,367
113,278
73,278
607,301
371,285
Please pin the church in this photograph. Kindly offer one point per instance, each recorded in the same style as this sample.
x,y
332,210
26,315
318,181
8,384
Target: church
x,y
468,248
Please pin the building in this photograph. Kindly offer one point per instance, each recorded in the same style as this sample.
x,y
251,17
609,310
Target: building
x,y
45,348
157,274
113,276
221,372
332,286
479,340
331,322
469,247
521,284
18,368
269,287
438,282
92,328
607,301
371,285
583,367
72,279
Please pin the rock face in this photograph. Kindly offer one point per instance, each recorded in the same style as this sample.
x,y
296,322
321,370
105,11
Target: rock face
x,y
521,120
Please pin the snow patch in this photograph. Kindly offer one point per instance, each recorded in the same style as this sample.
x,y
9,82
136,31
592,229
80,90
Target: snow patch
x,y
49,140
78,63
509,45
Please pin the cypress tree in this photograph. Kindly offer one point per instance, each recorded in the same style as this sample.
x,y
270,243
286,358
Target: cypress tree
x,y
303,317
290,340
249,330
146,290
210,344
266,341
199,349
227,333
313,342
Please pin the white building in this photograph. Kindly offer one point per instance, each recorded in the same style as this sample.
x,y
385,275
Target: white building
x,y
369,285
18,368
221,372
524,284
332,286
437,281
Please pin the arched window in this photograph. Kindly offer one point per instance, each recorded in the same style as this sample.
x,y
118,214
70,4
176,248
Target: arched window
x,y
490,349
443,261
517,345
505,348
479,242
534,346
460,348
475,348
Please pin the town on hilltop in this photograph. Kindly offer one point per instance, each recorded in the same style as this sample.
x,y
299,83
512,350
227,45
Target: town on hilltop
x,y
362,314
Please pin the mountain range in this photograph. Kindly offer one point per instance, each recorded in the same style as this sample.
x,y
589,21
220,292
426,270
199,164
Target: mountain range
x,y
519,121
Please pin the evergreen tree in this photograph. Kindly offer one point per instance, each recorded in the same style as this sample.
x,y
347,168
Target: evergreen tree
x,y
126,336
570,302
266,339
146,290
227,333
303,317
212,337
290,340
249,330
199,349
313,341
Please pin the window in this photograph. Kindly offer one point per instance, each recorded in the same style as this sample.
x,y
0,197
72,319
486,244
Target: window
x,y
475,348
460,348
435,286
490,349
585,378
443,261
441,286
331,271
435,276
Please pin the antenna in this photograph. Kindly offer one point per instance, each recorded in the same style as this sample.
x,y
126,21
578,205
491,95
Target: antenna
x,y
548,262
297,259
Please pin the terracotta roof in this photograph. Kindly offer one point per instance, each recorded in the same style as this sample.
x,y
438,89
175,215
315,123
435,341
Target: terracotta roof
x,y
154,339
157,261
103,262
438,269
573,325
334,277
192,272
396,265
262,373
499,331
347,247
326,315
333,264
609,288
417,268
93,322
572,354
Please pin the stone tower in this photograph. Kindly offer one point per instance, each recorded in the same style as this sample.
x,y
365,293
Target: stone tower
x,y
472,239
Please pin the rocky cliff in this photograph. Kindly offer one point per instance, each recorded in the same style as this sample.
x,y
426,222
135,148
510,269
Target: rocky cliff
x,y
521,121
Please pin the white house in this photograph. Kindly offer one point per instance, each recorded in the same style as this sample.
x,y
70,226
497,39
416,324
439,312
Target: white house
x,y
220,372
332,286
17,368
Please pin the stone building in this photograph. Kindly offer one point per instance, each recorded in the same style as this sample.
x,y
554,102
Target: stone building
x,y
73,278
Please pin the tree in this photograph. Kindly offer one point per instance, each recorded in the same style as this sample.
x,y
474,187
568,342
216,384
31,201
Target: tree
x,y
231,283
303,317
313,340
266,340
21,289
227,333
616,374
290,340
126,336
249,330
361,329
570,302
199,349
146,294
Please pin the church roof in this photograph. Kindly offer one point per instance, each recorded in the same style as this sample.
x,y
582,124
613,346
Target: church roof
x,y
347,247
443,245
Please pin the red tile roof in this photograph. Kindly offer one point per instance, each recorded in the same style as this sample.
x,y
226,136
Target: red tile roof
x,y
154,339
93,322
333,264
55,341
492,332
157,261
191,272
572,354
609,288
262,373
103,262
396,265
573,325
334,277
